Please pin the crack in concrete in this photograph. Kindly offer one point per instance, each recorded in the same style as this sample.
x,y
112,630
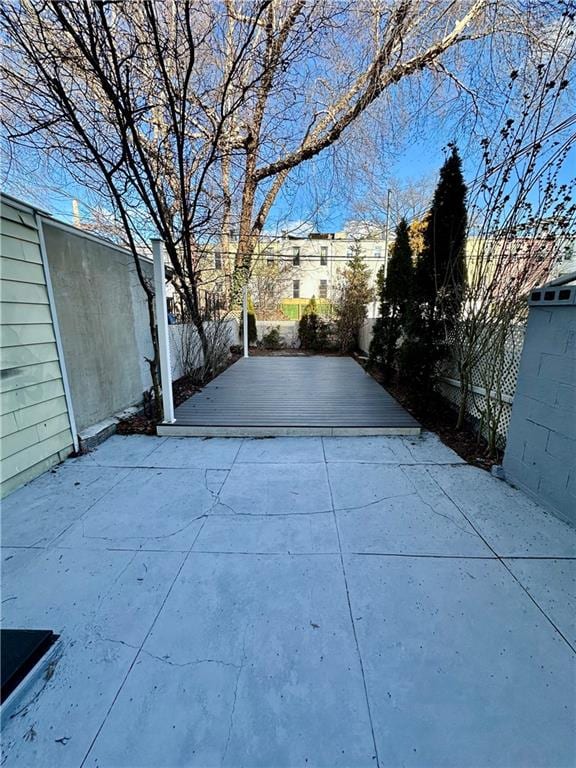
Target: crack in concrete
x,y
376,501
166,660
233,710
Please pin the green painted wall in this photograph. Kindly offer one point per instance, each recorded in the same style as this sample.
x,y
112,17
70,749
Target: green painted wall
x,y
34,426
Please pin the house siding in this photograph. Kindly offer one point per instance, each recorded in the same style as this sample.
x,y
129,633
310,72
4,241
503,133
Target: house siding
x,y
34,421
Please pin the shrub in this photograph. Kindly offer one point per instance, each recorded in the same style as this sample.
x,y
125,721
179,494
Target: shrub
x,y
351,305
272,339
312,330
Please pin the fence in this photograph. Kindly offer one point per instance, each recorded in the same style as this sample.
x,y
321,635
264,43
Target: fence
x,y
182,334
500,398
501,386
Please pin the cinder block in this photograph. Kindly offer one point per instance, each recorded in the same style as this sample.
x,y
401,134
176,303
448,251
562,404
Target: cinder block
x,y
548,416
538,387
560,368
566,396
521,474
558,496
562,446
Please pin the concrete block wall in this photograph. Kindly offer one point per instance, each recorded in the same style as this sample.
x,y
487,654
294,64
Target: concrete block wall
x,y
288,330
103,321
181,334
540,453
366,333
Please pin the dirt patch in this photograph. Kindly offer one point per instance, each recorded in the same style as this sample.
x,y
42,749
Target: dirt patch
x,y
437,416
182,389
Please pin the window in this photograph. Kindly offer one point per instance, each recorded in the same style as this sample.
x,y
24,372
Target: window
x,y
323,292
217,260
377,254
295,289
269,258
323,255
295,256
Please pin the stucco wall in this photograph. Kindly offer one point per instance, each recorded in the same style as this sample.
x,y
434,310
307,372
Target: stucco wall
x,y
34,422
541,449
103,322
181,334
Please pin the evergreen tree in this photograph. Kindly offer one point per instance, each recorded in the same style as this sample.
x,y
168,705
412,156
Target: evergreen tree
x,y
355,295
441,267
439,278
395,295
312,330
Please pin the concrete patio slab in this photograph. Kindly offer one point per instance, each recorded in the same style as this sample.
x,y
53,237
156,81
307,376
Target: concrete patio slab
x,y
552,584
512,524
275,641
148,509
215,615
271,450
276,489
426,449
425,522
123,451
102,604
196,452
42,510
355,486
112,595
54,720
447,663
276,534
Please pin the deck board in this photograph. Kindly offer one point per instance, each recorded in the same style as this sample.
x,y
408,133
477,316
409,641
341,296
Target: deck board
x,y
317,392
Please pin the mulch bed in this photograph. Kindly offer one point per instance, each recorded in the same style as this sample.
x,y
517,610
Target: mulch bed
x,y
436,415
143,424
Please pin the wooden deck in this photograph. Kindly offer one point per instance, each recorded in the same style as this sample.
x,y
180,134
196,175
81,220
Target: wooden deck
x,y
270,396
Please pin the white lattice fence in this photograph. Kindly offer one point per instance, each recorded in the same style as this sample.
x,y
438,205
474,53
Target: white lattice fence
x,y
449,385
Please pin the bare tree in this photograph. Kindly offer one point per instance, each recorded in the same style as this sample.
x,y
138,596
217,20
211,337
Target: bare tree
x,y
522,216
116,95
316,80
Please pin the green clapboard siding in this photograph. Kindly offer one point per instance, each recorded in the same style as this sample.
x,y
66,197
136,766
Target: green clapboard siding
x,y
15,335
24,397
21,250
23,314
34,414
25,272
14,291
32,354
34,423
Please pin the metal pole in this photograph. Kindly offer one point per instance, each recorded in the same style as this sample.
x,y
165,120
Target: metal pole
x,y
386,235
245,318
162,330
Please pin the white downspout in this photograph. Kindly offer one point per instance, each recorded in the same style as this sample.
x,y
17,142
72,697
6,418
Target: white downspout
x,y
245,318
162,330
